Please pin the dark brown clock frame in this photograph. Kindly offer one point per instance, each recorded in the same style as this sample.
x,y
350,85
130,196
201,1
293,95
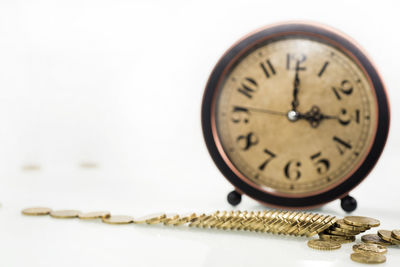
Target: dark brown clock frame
x,y
334,38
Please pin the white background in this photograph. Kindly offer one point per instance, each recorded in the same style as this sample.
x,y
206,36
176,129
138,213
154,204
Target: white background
x,y
119,83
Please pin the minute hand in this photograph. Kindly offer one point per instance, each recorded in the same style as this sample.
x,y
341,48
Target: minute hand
x,y
296,83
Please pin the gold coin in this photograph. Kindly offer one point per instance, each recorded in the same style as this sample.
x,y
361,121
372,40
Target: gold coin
x,y
64,214
36,211
374,239
323,244
333,232
373,248
396,234
365,257
94,215
345,231
387,236
342,225
338,238
361,221
118,219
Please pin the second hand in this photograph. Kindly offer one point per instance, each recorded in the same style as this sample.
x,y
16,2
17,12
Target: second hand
x,y
266,111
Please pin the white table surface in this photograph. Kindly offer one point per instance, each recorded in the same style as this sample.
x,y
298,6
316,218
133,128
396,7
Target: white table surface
x,y
119,84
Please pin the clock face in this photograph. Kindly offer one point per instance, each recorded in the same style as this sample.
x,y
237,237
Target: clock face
x,y
295,115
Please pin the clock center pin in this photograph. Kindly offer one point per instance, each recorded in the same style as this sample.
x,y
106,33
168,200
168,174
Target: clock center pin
x,y
293,115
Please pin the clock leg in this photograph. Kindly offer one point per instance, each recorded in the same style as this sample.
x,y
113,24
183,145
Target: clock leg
x,y
348,203
234,198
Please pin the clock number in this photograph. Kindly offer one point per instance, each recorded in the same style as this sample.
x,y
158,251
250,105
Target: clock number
x,y
248,87
294,61
323,68
341,145
322,164
345,118
357,116
292,171
270,157
240,114
267,66
345,88
247,141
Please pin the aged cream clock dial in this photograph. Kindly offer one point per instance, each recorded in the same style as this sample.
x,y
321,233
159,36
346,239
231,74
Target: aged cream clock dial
x,y
295,115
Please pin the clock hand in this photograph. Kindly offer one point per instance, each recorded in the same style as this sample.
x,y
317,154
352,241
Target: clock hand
x,y
314,116
296,83
266,111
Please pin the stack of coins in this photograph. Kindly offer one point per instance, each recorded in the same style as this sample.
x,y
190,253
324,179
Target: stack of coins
x,y
393,237
346,230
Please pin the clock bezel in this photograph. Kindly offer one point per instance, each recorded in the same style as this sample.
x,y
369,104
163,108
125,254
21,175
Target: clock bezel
x,y
333,38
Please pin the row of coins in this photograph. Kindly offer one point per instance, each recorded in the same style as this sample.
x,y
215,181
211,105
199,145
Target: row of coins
x,y
332,232
273,221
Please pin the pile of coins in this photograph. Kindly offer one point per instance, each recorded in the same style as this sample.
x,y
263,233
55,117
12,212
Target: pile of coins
x,y
346,230
332,232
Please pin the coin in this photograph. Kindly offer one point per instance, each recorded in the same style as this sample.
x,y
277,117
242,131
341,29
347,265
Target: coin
x,y
344,231
374,239
338,238
323,244
361,221
36,211
387,236
333,232
94,215
342,225
64,214
366,257
373,248
396,234
118,219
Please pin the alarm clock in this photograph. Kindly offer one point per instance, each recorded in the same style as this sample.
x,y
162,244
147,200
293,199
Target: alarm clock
x,y
295,115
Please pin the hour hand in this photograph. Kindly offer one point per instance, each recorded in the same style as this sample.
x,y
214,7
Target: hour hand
x,y
314,116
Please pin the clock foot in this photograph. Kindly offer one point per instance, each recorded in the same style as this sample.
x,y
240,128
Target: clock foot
x,y
348,203
234,198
